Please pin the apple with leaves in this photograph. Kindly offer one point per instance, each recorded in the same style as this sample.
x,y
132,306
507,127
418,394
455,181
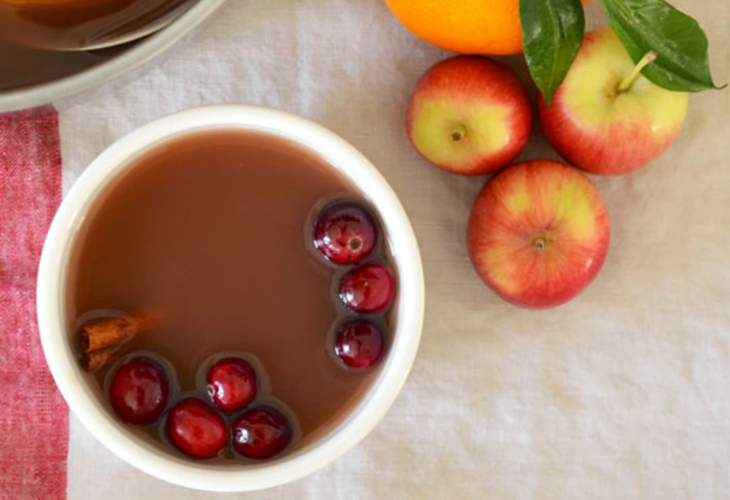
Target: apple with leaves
x,y
469,115
615,100
606,117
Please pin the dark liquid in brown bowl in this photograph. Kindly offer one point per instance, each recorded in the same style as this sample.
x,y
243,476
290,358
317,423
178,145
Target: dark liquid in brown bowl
x,y
211,230
30,31
75,23
25,66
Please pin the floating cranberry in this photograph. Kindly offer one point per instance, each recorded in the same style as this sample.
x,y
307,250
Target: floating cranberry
x,y
231,384
345,233
196,429
261,433
359,343
367,289
139,391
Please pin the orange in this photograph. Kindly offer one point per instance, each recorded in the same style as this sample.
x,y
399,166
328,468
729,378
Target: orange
x,y
489,27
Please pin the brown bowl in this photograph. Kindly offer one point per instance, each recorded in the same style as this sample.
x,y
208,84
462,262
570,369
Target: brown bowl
x,y
74,72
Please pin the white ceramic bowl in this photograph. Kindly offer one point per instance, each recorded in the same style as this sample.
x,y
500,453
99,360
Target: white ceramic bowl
x,y
75,385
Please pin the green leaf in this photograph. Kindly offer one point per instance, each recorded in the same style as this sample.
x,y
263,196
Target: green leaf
x,y
680,43
552,31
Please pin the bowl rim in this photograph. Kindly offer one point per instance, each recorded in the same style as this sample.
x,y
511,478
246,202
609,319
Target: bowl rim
x,y
130,447
96,76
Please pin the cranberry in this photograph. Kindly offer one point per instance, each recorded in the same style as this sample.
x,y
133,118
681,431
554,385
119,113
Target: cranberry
x,y
231,384
367,289
139,391
196,429
359,343
345,233
261,433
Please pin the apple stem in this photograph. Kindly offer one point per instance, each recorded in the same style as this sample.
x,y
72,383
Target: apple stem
x,y
627,82
540,243
459,133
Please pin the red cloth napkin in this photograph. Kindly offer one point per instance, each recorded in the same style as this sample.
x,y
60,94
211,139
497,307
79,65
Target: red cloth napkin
x,y
33,416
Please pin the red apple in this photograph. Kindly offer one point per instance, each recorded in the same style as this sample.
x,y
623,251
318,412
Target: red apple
x,y
607,118
469,115
538,233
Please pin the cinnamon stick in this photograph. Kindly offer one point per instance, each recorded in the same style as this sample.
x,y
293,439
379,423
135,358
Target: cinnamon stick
x,y
106,333
94,360
100,340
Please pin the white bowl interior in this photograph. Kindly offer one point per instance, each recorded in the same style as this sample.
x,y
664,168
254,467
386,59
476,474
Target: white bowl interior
x,y
85,398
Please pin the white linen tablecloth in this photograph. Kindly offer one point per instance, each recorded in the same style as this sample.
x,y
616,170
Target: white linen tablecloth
x,y
623,393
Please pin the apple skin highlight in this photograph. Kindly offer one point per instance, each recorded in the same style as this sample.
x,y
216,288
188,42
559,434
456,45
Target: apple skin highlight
x,y
538,233
469,115
604,131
